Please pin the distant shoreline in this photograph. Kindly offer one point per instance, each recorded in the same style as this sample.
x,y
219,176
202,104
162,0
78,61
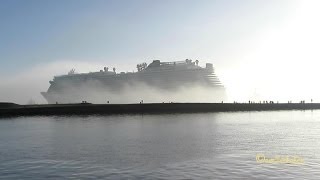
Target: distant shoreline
x,y
11,109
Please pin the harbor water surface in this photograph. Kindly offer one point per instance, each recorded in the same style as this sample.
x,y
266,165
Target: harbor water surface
x,y
173,146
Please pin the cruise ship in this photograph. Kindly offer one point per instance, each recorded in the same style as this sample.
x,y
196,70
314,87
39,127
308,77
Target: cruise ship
x,y
170,78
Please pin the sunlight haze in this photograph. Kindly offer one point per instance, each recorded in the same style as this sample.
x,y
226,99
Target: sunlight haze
x,y
261,50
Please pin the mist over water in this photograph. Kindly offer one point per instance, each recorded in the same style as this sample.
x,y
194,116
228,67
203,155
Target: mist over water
x,y
270,51
135,92
25,87
240,86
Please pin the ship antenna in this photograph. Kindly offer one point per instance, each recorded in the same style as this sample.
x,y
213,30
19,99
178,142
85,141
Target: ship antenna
x,y
72,71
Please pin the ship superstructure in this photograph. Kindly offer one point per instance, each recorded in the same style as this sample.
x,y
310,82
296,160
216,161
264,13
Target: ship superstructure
x,y
162,76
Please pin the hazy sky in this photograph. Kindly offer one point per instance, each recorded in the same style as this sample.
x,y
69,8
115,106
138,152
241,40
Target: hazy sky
x,y
262,49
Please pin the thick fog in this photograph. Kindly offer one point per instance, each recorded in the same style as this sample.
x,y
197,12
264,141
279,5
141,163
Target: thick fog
x,y
25,87
270,53
256,83
136,92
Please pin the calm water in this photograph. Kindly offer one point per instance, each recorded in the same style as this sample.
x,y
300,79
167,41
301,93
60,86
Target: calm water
x,y
176,146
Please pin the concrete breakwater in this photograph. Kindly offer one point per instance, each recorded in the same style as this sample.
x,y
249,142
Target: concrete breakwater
x,y
11,109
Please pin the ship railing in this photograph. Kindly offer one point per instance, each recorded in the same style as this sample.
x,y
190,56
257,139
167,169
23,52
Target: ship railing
x,y
174,62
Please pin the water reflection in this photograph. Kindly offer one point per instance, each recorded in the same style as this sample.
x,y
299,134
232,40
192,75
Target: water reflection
x,y
172,146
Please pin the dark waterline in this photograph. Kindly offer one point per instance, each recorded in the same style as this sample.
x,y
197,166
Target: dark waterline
x,y
10,109
175,146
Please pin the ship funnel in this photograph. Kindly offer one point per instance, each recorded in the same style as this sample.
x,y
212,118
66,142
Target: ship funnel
x,y
209,66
